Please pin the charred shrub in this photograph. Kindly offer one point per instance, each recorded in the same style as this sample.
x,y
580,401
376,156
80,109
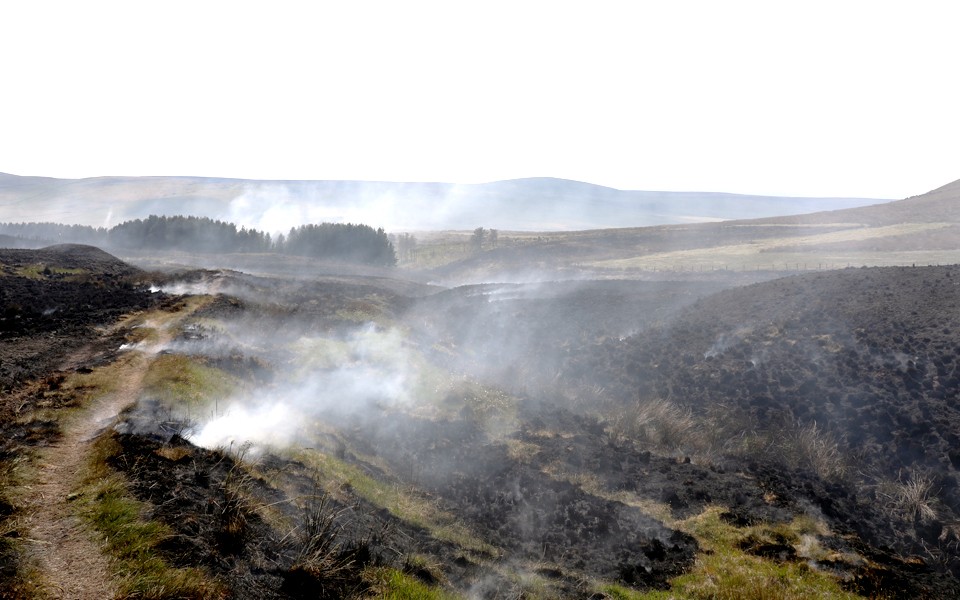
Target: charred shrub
x,y
233,508
327,566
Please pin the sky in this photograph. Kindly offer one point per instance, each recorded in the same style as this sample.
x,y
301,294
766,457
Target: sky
x,y
840,98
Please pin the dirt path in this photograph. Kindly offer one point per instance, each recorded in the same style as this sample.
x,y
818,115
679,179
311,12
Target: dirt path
x,y
70,558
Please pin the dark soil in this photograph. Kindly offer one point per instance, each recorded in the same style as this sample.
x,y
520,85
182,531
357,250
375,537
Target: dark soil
x,y
45,317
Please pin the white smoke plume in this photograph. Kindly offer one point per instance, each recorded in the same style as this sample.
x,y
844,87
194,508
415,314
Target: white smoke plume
x,y
322,378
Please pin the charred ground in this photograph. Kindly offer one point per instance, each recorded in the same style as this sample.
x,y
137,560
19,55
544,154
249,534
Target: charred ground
x,y
581,432
50,301
865,357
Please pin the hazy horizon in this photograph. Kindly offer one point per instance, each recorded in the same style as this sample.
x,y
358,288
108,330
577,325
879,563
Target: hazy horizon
x,y
812,100
273,206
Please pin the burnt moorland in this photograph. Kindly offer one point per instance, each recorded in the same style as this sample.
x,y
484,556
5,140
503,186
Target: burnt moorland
x,y
688,434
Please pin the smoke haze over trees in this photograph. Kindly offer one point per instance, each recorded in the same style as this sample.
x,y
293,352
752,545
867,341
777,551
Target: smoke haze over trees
x,y
334,241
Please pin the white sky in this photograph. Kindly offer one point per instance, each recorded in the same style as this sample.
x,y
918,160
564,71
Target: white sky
x,y
841,97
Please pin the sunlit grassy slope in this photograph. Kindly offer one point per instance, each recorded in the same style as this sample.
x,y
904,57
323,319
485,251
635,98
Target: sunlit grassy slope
x,y
924,230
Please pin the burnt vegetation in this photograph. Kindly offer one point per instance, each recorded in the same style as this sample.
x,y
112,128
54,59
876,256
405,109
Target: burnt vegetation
x,y
581,439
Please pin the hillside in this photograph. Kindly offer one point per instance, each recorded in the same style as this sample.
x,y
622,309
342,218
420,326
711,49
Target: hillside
x,y
362,437
922,230
526,204
851,375
936,206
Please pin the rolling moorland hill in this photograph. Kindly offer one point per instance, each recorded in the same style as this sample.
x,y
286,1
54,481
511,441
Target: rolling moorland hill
x,y
921,230
533,204
936,206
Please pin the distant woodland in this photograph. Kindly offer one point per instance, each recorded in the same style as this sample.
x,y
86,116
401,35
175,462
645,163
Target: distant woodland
x,y
331,241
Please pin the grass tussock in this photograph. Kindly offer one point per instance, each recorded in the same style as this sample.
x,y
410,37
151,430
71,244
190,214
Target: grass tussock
x,y
330,563
232,509
20,579
319,548
131,540
909,499
663,426
812,448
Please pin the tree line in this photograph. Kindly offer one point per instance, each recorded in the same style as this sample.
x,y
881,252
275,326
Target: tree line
x,y
346,242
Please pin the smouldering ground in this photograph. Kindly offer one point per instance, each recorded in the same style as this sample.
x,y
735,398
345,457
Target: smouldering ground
x,y
349,437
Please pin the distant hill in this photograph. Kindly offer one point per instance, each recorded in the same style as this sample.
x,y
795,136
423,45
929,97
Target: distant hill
x,y
921,230
941,205
535,204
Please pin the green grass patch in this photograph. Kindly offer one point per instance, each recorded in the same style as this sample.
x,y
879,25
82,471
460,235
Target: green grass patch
x,y
131,541
392,584
182,383
318,353
618,592
42,271
725,571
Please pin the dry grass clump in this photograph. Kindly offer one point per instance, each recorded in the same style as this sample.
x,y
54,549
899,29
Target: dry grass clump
x,y
662,425
234,505
320,551
812,448
672,429
19,577
331,557
910,499
522,452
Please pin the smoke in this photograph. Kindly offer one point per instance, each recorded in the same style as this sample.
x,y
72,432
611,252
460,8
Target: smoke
x,y
322,378
727,340
276,208
213,284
